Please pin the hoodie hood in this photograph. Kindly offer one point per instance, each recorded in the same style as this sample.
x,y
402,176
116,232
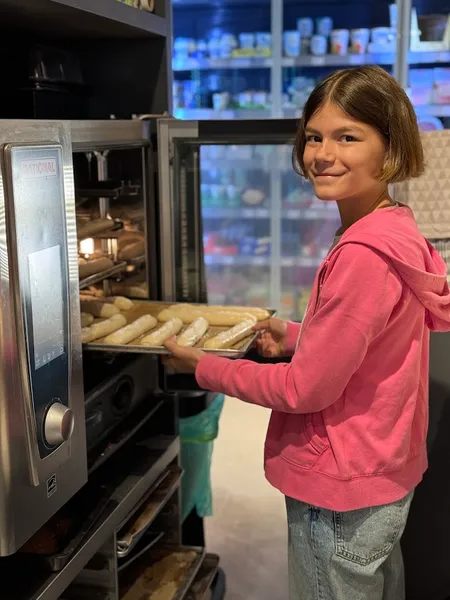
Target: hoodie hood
x,y
394,233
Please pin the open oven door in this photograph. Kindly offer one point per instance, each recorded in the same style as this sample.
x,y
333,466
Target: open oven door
x,y
237,224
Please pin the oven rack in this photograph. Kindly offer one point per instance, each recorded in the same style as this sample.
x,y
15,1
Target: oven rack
x,y
117,269
108,189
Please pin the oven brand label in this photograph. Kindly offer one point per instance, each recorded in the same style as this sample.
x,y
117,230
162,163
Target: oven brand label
x,y
52,486
44,167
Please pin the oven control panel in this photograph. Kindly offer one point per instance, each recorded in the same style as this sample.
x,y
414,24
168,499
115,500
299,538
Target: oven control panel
x,y
37,190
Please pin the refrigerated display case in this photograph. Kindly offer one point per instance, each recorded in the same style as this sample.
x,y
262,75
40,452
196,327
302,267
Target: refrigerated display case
x,y
270,71
263,232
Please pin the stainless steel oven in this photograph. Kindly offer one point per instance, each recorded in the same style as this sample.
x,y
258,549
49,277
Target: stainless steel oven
x,y
42,425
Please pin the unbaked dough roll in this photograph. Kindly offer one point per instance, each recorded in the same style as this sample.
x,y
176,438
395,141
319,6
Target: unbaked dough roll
x,y
86,319
188,314
157,338
193,333
91,228
132,331
129,237
261,314
99,309
102,329
132,251
92,267
121,302
134,291
232,336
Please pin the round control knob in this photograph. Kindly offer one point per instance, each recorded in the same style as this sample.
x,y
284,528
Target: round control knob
x,y
58,425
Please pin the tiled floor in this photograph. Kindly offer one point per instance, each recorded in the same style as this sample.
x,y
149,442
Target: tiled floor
x,y
248,529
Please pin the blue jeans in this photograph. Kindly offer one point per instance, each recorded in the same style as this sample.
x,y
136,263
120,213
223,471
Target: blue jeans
x,y
352,555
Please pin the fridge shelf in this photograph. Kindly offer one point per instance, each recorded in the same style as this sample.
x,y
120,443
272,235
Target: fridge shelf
x,y
261,261
328,60
309,214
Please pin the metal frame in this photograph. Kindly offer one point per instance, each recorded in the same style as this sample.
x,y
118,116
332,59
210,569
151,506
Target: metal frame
x,y
168,131
401,66
274,131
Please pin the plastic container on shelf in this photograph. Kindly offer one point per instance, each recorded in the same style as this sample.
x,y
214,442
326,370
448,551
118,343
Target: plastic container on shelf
x,y
191,92
260,98
247,42
245,99
221,100
421,82
263,43
429,123
305,26
292,43
381,36
227,45
233,195
340,39
324,26
441,93
214,43
319,45
393,15
202,50
359,40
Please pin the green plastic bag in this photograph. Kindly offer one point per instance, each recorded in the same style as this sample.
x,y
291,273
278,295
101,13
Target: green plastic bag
x,y
197,436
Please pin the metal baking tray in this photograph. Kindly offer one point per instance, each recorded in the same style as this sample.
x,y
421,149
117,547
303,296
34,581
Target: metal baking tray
x,y
85,510
97,277
204,578
146,543
131,590
137,526
143,307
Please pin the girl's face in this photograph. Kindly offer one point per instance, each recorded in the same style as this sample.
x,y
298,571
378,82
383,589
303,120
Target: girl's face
x,y
343,158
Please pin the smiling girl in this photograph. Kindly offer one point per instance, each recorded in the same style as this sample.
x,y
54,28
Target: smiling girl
x,y
346,442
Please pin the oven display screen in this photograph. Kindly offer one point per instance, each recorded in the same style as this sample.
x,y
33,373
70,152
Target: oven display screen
x,y
47,304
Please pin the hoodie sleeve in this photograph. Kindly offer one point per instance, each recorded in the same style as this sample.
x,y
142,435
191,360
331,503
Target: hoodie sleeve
x,y
292,334
356,302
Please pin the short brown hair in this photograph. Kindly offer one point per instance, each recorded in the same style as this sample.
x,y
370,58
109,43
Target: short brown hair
x,y
370,95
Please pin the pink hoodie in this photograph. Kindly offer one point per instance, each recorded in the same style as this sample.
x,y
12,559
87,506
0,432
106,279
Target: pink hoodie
x,y
350,411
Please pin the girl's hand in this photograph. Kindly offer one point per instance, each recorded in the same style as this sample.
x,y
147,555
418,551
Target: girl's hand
x,y
271,342
182,359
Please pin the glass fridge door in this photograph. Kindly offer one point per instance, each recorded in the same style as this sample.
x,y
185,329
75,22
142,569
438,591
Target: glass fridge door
x,y
238,225
429,63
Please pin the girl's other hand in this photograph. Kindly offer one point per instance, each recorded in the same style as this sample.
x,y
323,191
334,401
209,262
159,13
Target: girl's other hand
x,y
271,342
182,358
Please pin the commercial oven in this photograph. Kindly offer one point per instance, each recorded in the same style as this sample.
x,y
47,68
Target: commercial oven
x,y
62,408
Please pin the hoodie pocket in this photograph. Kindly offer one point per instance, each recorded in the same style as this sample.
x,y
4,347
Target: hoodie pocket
x,y
316,432
305,441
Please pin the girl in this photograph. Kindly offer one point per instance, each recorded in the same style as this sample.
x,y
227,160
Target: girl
x,y
346,440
